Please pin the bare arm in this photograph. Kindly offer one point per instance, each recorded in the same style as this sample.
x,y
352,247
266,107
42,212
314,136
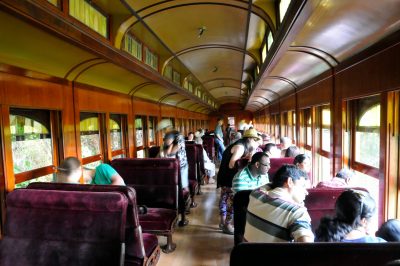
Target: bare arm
x,y
305,239
237,153
117,180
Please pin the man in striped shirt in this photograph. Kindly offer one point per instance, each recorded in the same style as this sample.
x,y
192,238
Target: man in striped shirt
x,y
277,213
254,175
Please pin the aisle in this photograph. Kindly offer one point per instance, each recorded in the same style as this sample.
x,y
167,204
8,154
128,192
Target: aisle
x,y
200,243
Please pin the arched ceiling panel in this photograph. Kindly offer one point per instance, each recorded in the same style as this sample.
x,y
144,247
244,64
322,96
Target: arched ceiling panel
x,y
215,63
225,91
151,92
173,99
103,76
343,34
27,47
255,38
215,83
299,67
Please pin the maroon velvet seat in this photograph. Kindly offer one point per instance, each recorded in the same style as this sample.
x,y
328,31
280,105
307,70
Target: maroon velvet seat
x,y
50,227
157,184
315,254
320,202
191,154
201,171
136,252
276,163
208,144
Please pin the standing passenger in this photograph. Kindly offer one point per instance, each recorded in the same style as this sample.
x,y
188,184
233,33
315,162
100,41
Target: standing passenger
x,y
277,214
354,210
219,139
242,148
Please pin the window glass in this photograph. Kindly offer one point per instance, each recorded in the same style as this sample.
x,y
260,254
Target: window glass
x,y
152,122
326,129
308,127
270,40
139,131
151,58
133,46
168,72
31,139
86,13
90,134
140,154
368,133
283,6
324,167
116,133
294,126
53,2
264,53
176,77
46,178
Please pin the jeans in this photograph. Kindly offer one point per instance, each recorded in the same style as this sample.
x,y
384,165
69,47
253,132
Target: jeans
x,y
220,148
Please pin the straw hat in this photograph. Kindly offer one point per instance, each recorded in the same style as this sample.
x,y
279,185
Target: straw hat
x,y
251,133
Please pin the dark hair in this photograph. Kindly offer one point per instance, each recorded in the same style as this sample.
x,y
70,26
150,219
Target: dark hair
x,y
257,157
390,231
171,134
268,147
351,207
286,171
69,165
300,158
292,151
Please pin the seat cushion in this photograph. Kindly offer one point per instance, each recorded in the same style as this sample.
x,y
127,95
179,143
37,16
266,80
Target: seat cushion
x,y
150,243
157,219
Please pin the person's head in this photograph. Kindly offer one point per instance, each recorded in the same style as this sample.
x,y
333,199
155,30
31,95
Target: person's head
x,y
294,180
355,208
272,150
69,171
251,139
191,136
292,151
260,163
265,138
286,142
303,162
170,137
390,231
220,121
345,174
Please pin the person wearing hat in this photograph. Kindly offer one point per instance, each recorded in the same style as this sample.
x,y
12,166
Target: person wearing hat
x,y
243,148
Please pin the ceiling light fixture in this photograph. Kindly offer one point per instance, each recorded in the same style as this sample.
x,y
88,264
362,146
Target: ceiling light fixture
x,y
202,29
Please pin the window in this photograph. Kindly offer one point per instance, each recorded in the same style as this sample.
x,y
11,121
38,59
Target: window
x,y
88,14
326,129
176,77
151,58
133,46
139,137
264,53
283,6
32,146
118,135
151,130
90,139
53,2
270,40
168,72
294,127
231,121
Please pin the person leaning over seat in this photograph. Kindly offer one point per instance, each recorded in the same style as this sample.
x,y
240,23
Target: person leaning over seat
x,y
103,174
69,171
277,213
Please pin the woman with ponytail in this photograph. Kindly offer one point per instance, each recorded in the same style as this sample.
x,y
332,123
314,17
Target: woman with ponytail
x,y
354,210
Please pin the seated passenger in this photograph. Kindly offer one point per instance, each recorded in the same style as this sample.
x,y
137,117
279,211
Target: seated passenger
x,y
190,136
103,174
303,162
354,210
69,171
285,143
209,166
272,151
341,179
254,175
292,151
390,231
277,213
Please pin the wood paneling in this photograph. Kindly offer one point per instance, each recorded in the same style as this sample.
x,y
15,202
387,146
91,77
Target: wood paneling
x,y
288,103
316,94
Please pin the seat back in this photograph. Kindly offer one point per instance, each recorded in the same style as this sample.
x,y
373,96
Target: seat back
x,y
321,202
208,143
156,180
154,151
240,204
133,231
191,154
315,254
59,220
277,163
200,161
